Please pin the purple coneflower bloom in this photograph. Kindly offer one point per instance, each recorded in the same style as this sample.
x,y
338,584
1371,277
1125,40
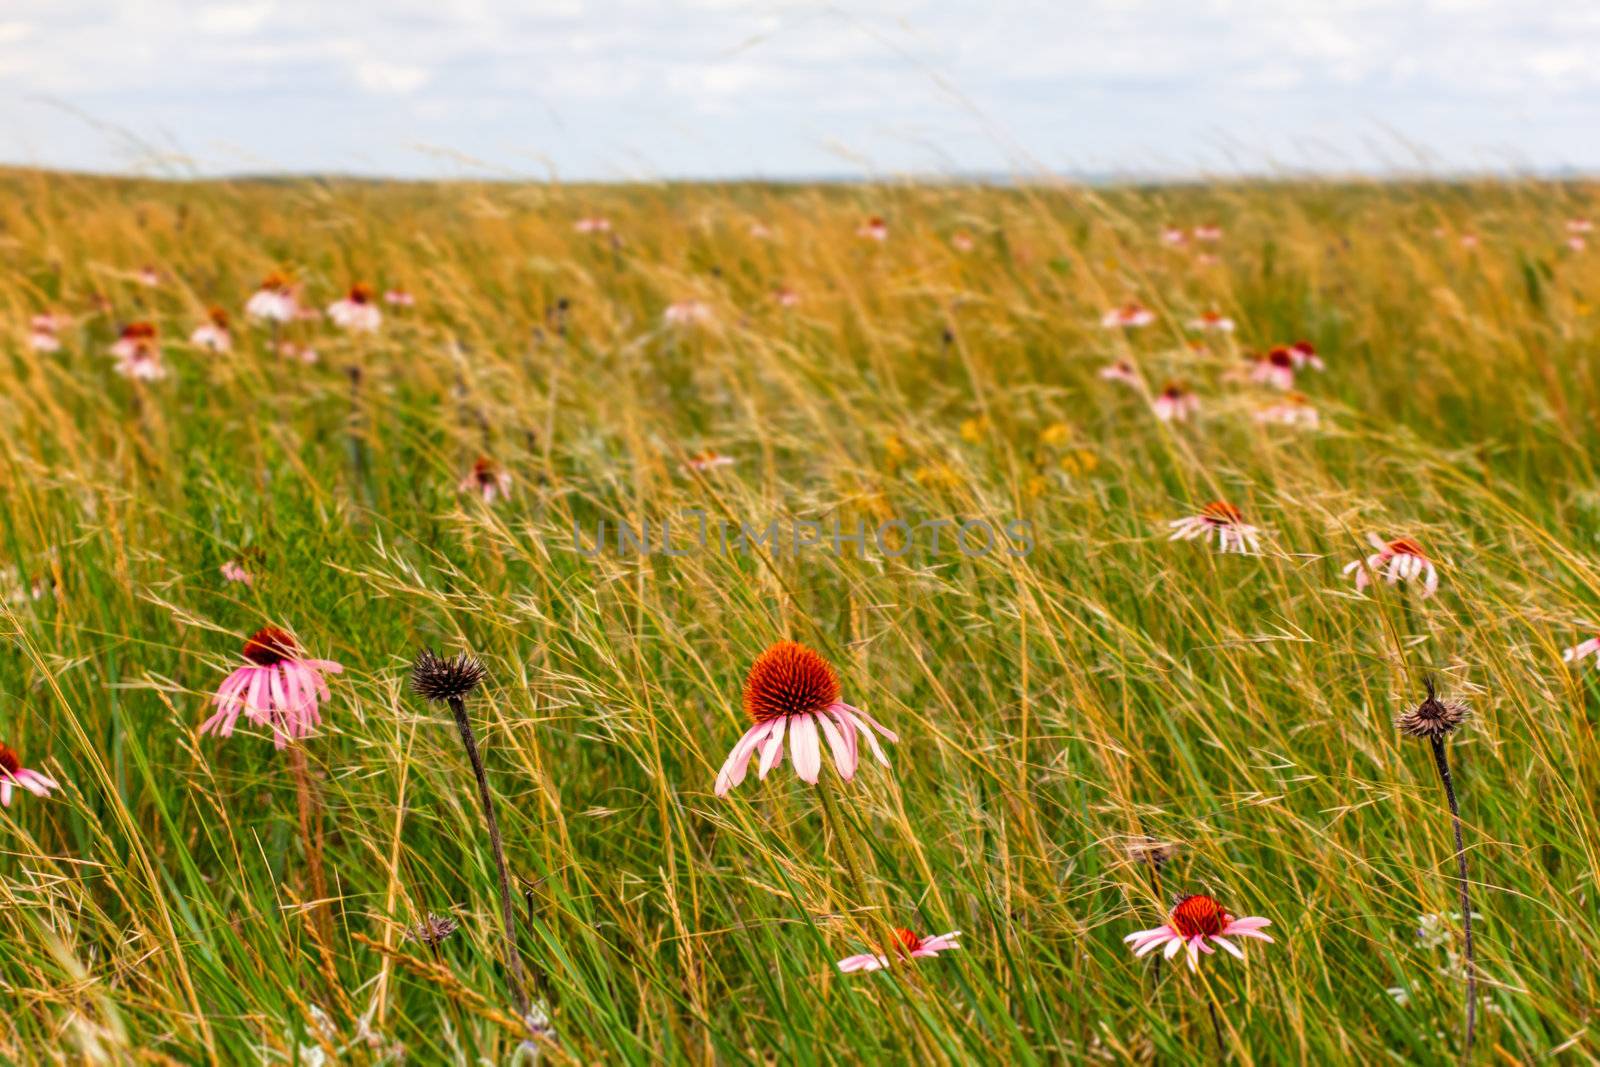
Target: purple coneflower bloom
x,y
1196,923
277,688
14,774
908,946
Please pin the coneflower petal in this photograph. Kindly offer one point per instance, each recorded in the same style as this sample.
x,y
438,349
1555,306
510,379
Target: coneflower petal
x,y
734,767
1229,945
772,749
806,748
843,759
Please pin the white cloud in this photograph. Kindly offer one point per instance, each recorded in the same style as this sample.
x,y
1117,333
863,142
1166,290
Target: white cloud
x,y
233,19
389,79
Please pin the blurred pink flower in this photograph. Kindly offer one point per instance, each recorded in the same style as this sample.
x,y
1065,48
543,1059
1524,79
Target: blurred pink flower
x,y
487,481
273,301
908,946
213,333
1176,403
1400,560
1130,315
1223,519
14,774
1212,321
356,312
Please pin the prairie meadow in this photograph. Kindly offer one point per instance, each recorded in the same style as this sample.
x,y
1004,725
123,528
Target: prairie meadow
x,y
869,606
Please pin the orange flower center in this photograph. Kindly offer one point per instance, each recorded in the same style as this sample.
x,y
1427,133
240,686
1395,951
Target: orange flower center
x,y
1281,357
275,283
1404,546
270,646
1222,513
218,317
9,760
1198,915
908,941
360,293
139,331
789,679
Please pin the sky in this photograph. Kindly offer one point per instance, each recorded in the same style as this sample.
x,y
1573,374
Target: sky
x,y
579,90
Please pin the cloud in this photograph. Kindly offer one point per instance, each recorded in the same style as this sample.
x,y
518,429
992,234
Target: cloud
x,y
389,79
233,19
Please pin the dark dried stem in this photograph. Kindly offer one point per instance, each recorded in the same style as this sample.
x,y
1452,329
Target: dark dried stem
x,y
1443,763
514,975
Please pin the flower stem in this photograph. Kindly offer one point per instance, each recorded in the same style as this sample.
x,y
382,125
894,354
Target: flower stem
x,y
1216,1027
1443,763
513,958
310,833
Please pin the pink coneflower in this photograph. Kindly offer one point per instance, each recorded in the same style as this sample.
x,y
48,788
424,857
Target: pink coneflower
x,y
398,298
356,312
1212,322
1120,371
908,946
1577,652
13,774
710,459
593,224
487,480
134,336
1579,225
1197,922
688,313
300,353
962,241
874,229
786,297
1174,236
1276,369
1176,403
273,301
1400,560
213,334
148,275
1576,243
1209,232
1223,519
233,571
1304,354
1469,240
138,354
1293,410
760,231
791,689
42,333
277,688
1130,315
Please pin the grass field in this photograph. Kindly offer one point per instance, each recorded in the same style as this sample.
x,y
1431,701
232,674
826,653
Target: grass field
x,y
1060,703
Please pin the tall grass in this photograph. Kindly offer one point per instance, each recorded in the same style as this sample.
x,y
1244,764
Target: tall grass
x,y
1052,707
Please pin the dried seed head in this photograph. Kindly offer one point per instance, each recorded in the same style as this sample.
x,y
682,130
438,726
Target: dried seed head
x,y
432,930
1433,718
439,678
1149,850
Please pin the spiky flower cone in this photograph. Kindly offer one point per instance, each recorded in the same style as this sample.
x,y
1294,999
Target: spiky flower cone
x,y
450,680
1434,720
